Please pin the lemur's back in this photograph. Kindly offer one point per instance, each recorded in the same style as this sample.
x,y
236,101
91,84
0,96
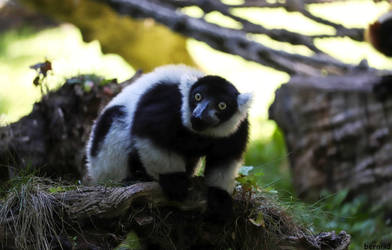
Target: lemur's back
x,y
111,137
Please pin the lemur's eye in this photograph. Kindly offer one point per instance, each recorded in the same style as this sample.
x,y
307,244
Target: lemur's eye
x,y
198,97
222,105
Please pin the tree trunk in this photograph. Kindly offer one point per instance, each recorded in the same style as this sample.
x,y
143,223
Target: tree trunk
x,y
338,133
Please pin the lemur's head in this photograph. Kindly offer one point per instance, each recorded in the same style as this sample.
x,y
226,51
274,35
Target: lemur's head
x,y
214,107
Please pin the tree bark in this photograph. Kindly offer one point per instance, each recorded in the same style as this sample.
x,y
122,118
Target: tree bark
x,y
338,134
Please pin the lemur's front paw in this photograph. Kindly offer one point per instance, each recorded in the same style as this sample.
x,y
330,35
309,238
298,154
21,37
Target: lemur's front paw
x,y
219,205
175,185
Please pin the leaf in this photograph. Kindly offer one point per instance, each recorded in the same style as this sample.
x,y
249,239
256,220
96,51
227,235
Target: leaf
x,y
259,221
244,170
88,85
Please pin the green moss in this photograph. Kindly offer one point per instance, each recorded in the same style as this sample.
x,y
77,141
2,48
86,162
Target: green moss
x,y
131,242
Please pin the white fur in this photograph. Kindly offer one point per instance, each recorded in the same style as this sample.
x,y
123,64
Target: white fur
x,y
185,88
224,176
157,160
111,160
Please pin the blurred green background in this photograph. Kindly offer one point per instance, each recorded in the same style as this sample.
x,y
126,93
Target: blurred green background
x,y
70,55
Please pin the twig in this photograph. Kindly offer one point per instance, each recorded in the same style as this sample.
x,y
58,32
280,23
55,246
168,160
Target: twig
x,y
280,35
265,4
341,31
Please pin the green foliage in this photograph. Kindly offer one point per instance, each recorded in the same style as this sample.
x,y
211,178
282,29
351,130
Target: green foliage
x,y
248,181
333,212
364,221
88,81
270,158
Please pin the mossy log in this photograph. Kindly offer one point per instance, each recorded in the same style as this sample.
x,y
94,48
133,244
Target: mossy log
x,y
101,217
338,134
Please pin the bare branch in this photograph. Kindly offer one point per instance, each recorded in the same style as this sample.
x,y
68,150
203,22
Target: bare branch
x,y
265,4
230,40
341,31
280,35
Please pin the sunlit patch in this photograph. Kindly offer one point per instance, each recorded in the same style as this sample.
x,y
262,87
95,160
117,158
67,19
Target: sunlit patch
x,y
279,18
233,1
353,52
222,20
69,55
193,11
355,14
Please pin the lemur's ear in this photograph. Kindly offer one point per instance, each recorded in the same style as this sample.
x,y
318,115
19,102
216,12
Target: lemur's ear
x,y
244,101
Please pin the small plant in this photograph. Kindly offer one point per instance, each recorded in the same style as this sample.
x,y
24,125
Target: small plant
x,y
42,70
365,222
248,181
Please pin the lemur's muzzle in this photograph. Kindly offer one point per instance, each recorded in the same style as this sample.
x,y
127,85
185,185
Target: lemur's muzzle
x,y
204,116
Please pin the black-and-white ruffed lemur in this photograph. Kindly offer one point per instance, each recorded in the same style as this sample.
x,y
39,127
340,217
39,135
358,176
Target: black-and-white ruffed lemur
x,y
160,126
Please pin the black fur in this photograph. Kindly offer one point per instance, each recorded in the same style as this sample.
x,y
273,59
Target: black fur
x,y
219,205
175,185
228,148
103,125
385,39
136,170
